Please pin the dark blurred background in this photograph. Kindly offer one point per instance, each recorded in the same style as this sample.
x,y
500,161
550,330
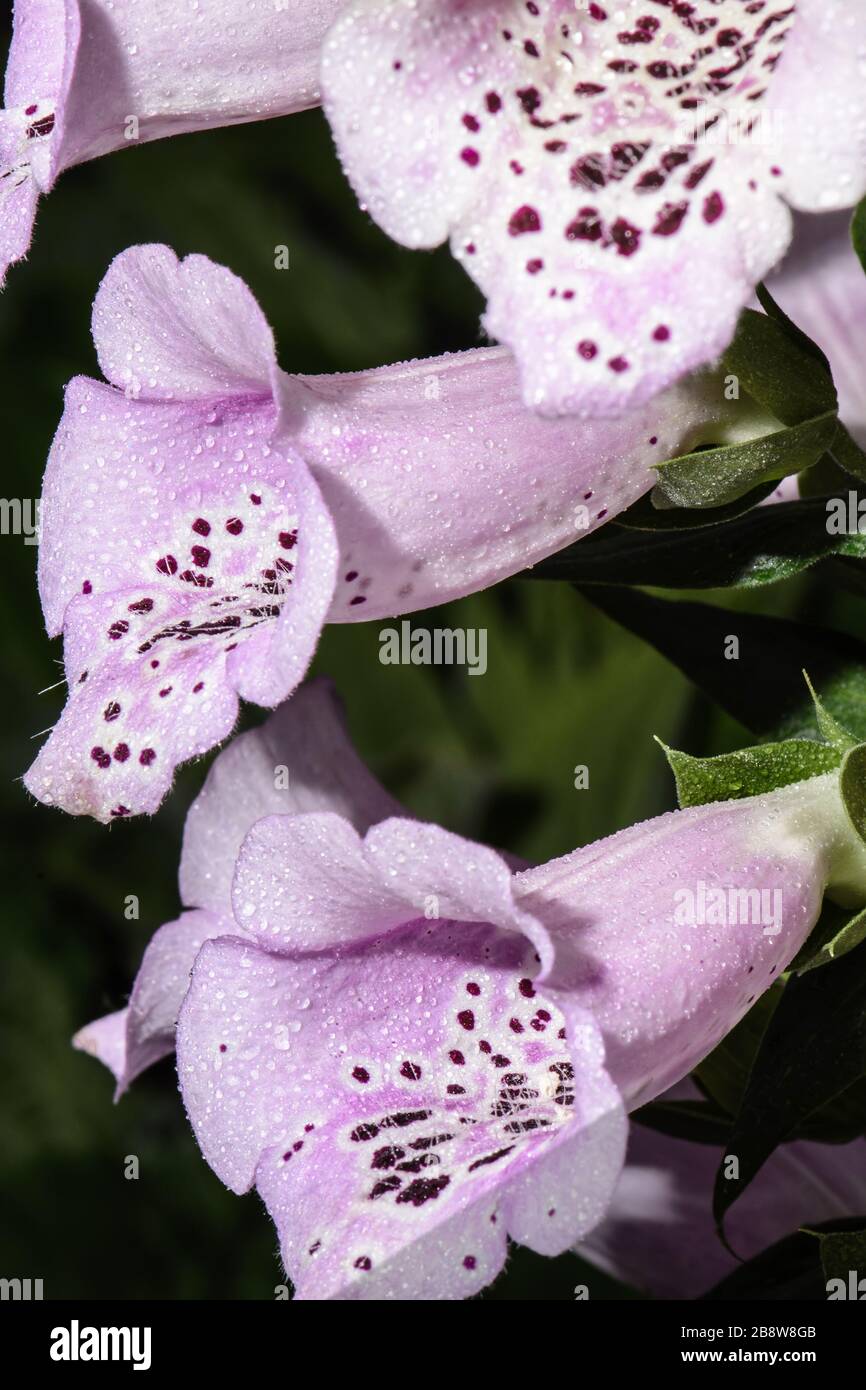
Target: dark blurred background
x,y
492,758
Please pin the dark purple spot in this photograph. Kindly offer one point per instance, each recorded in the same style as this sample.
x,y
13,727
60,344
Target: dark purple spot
x,y
201,527
625,236
100,757
234,525
167,565
361,1074
411,1071
121,753
466,1019
200,556
111,711
525,219
147,756
670,219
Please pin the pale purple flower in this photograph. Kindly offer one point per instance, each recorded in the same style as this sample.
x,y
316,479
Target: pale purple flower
x,y
660,1235
399,1037
204,513
86,77
616,177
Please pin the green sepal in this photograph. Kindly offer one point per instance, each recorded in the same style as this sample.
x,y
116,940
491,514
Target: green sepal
x,y
717,477
858,231
829,728
748,771
852,785
837,931
780,367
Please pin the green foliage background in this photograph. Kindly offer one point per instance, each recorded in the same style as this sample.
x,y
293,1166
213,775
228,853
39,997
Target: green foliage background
x,y
492,758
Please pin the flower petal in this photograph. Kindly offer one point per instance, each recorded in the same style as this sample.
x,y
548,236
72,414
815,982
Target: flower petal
x,y
299,761
820,144
592,168
131,1040
185,68
441,482
85,79
304,883
41,61
371,1098
169,329
105,1039
666,967
186,595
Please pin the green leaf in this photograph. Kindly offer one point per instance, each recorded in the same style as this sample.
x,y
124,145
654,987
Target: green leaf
x,y
765,546
698,1121
775,311
643,515
789,1269
748,771
800,1265
813,1049
837,931
778,370
843,1253
774,702
841,1120
846,452
723,1075
858,231
852,784
829,728
717,477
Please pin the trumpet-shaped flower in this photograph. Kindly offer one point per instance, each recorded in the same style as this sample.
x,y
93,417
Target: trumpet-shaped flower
x,y
86,77
615,177
413,1050
204,513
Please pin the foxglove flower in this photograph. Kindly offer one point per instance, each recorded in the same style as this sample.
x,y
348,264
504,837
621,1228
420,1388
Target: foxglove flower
x,y
659,1233
204,513
394,1012
85,77
616,178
